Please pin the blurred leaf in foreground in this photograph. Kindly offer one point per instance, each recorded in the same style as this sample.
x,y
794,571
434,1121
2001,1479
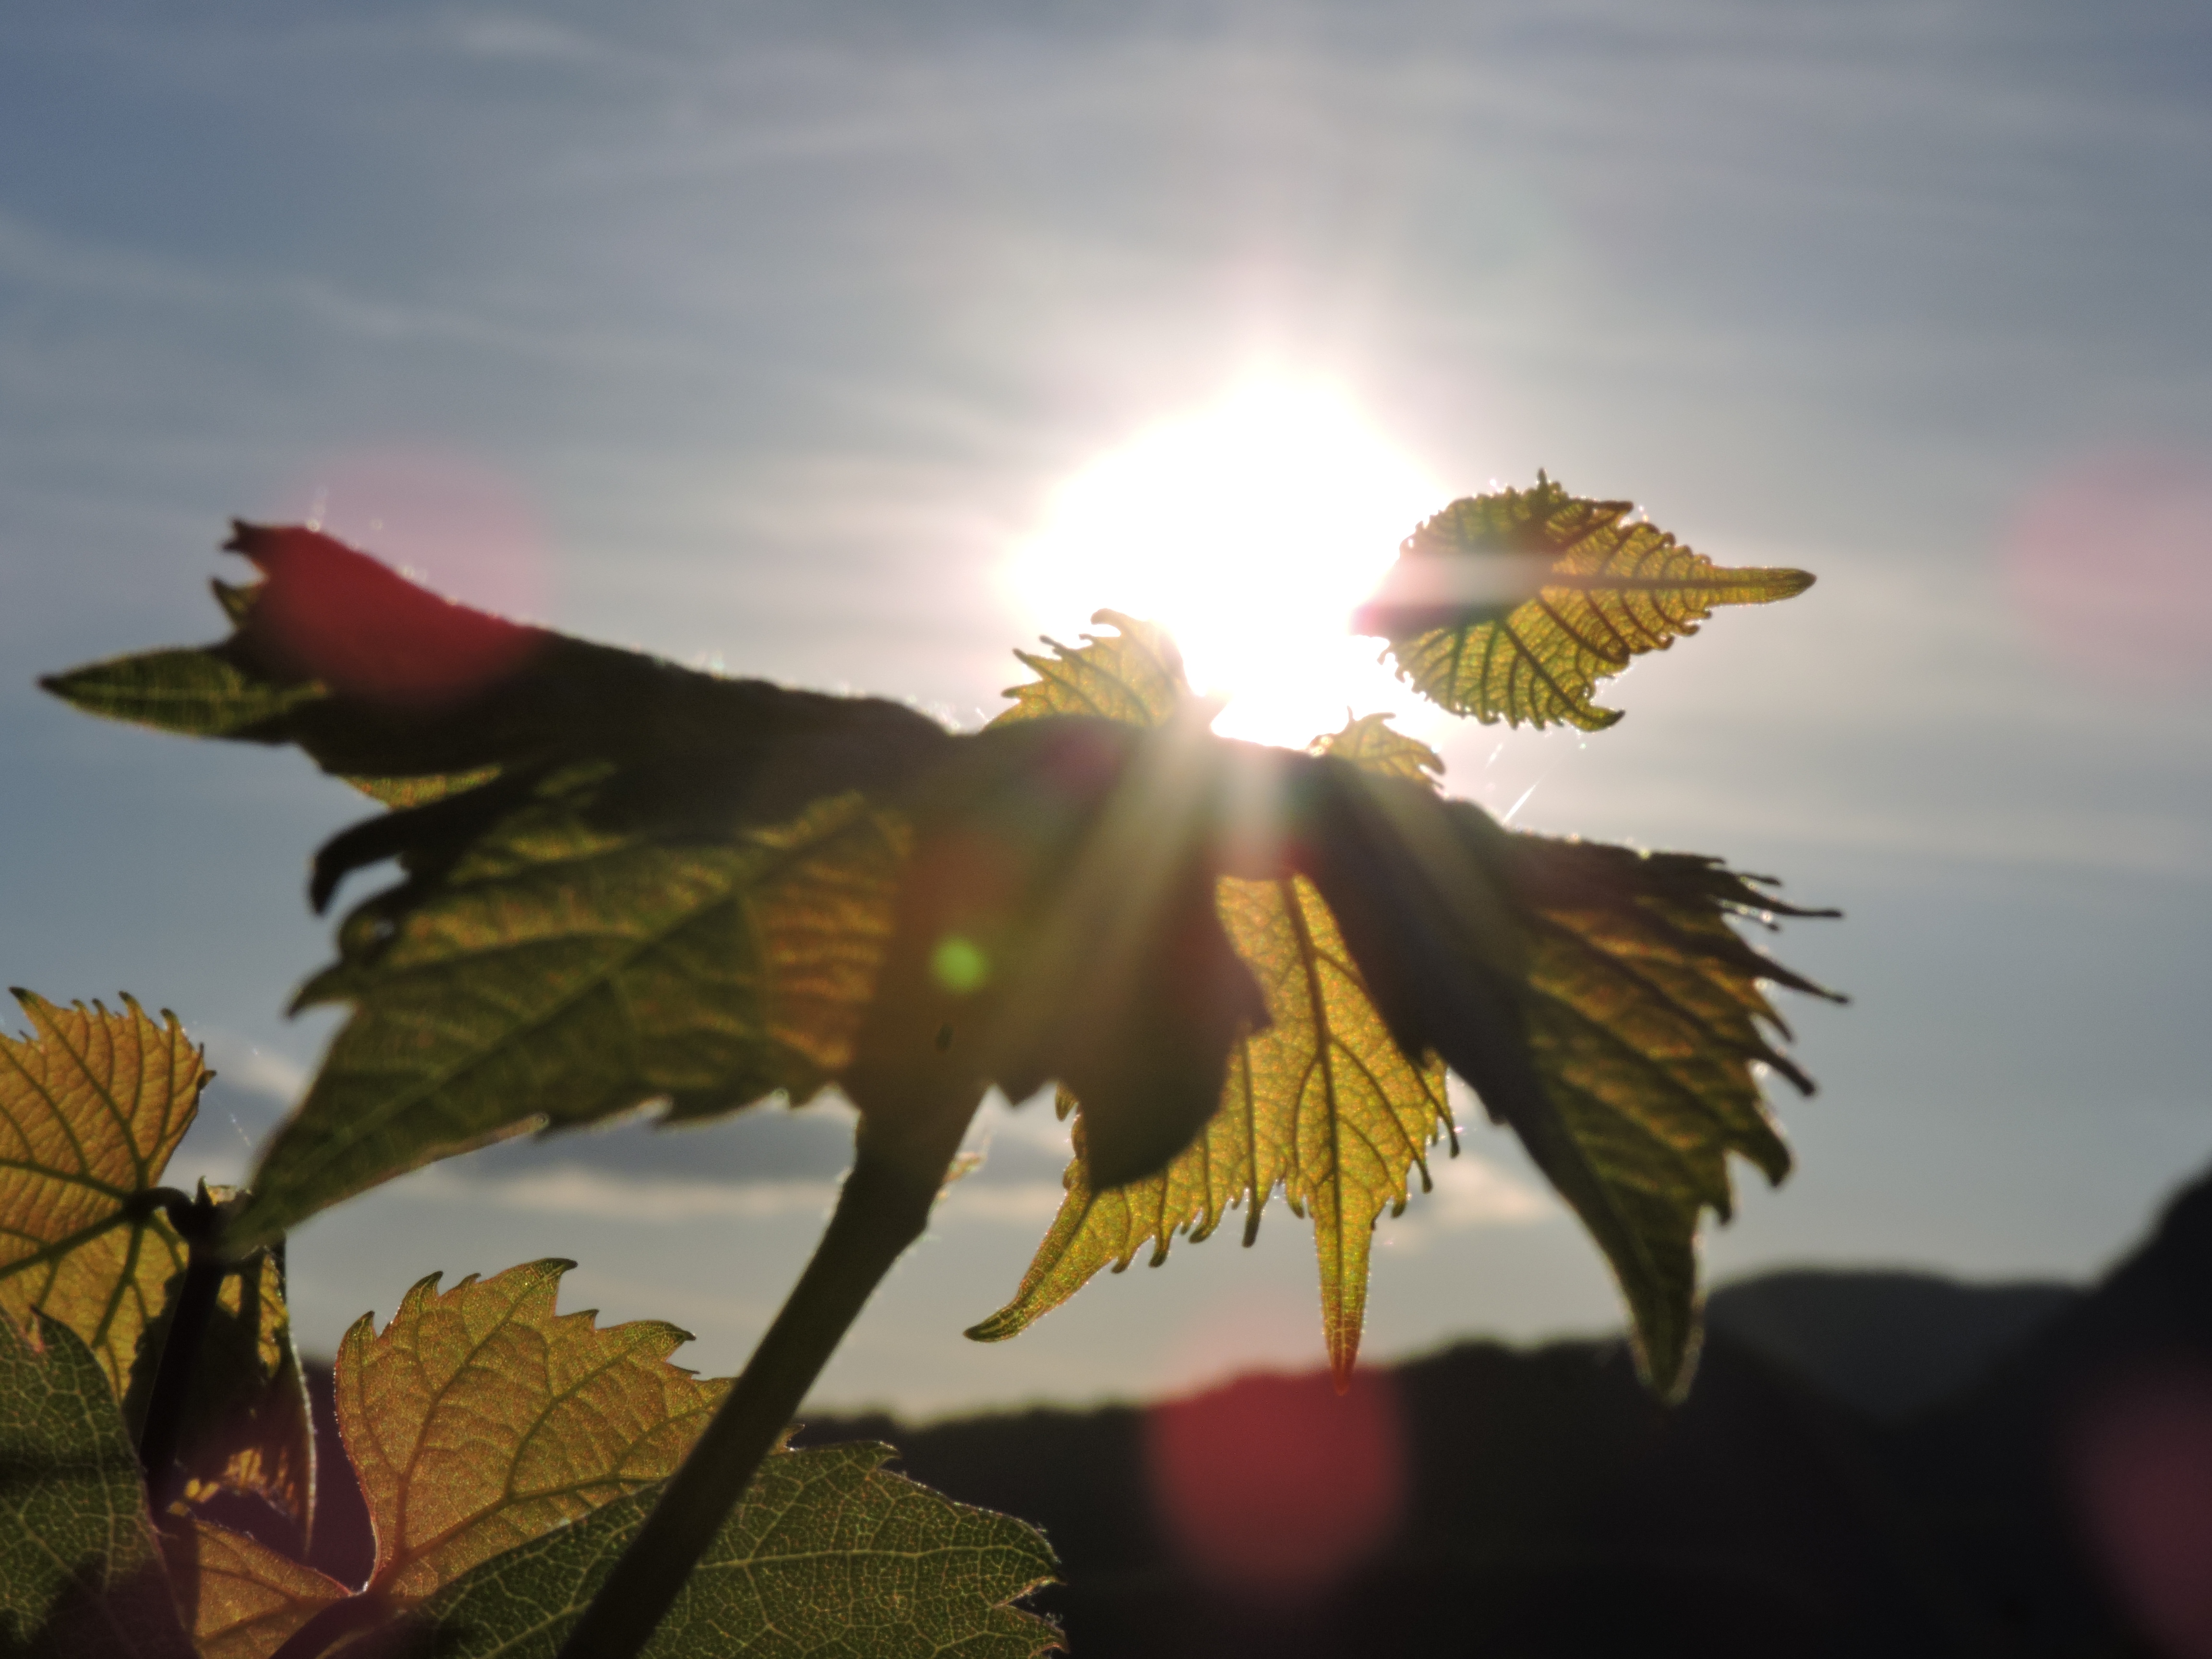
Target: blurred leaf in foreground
x,y
1513,607
830,1556
80,1577
91,1108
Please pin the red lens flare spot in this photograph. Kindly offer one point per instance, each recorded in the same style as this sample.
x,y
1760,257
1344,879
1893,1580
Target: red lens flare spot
x,y
2142,1464
1276,1487
2111,560
328,613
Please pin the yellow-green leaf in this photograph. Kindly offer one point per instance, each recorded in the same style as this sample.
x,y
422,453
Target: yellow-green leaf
x,y
1323,1102
80,1575
480,1419
1513,607
240,1599
1650,1024
1134,675
563,971
91,1107
830,1556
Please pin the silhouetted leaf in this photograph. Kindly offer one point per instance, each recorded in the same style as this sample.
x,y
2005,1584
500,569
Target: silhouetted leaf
x,y
80,1577
1513,607
561,972
246,1427
197,693
1650,1025
830,1556
240,1599
1322,1101
90,1109
480,1419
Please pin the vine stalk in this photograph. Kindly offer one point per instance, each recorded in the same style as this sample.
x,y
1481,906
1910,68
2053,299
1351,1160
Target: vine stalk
x,y
883,1207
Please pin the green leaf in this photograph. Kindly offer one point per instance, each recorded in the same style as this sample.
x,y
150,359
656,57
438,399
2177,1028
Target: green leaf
x,y
240,1599
79,1577
479,1419
830,1556
1650,1025
476,1420
1513,607
198,693
1134,675
91,1108
1323,1102
562,972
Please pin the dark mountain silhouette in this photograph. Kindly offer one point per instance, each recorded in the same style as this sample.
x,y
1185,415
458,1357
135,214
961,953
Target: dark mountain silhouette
x,y
1870,1463
1887,1344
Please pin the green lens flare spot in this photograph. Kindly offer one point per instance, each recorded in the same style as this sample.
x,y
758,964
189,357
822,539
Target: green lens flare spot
x,y
959,964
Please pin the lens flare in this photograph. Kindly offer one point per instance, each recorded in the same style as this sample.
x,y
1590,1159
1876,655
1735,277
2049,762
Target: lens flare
x,y
1251,531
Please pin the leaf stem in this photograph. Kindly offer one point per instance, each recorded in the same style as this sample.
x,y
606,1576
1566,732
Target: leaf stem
x,y
883,1208
159,1437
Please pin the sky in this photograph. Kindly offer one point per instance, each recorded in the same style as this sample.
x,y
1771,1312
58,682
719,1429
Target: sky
x,y
854,346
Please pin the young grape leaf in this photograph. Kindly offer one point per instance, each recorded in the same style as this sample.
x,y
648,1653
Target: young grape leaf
x,y
1322,1101
562,972
90,1109
240,1599
79,1577
246,1427
1650,1024
1134,675
379,680
830,1556
1513,607
480,1417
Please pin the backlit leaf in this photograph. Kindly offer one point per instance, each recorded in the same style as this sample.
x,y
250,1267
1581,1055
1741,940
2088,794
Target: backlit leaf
x,y
80,1575
1513,607
240,1599
91,1108
479,1419
561,972
830,1556
1323,1102
1649,1024
1134,675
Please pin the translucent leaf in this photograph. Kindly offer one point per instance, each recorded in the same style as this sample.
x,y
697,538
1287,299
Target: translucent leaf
x,y
240,1599
1649,1024
829,1555
480,1418
1322,1101
1513,607
1134,675
91,1108
79,1577
561,972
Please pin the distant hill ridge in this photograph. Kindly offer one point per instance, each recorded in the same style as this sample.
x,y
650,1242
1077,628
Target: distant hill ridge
x,y
1870,1463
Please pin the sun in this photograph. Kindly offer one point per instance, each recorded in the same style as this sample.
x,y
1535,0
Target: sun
x,y
1250,530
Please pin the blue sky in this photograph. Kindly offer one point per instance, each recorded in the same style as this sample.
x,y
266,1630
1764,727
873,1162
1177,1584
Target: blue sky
x,y
766,335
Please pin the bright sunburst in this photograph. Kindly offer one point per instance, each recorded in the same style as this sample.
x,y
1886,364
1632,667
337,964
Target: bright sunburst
x,y
1251,531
